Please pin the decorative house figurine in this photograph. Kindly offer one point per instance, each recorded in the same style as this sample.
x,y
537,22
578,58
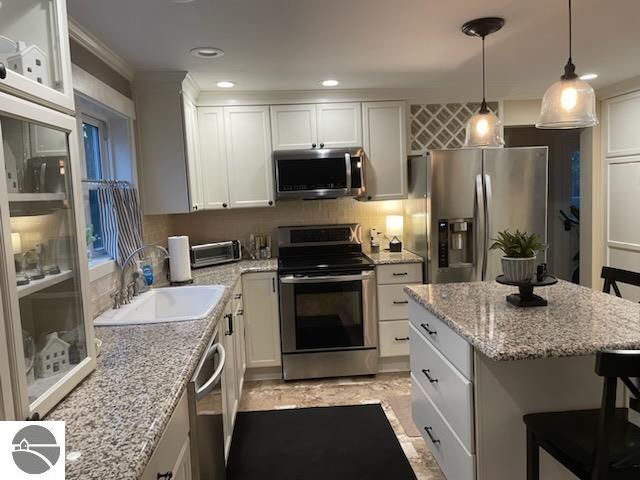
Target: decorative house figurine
x,y
52,357
30,62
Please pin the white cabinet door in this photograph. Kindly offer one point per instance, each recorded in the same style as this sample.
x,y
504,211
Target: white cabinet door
x,y
293,126
182,469
192,149
621,116
230,380
213,158
249,160
339,125
262,320
385,143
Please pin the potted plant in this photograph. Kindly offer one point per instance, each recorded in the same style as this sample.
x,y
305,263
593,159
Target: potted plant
x,y
520,250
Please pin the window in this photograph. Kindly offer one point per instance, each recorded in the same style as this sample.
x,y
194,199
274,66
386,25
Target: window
x,y
97,167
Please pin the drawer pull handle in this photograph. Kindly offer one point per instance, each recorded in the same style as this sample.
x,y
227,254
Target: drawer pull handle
x,y
433,439
427,329
400,302
165,476
402,339
237,296
427,373
400,274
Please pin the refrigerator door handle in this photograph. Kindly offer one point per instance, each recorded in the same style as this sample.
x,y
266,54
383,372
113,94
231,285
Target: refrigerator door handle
x,y
487,226
479,229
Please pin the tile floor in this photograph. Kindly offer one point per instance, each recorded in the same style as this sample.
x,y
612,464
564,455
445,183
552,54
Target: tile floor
x,y
276,394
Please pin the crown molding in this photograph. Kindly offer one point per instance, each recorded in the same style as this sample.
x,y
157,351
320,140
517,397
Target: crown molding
x,y
85,38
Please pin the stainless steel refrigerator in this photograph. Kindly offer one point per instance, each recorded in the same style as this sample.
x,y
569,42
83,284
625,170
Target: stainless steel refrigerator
x,y
460,199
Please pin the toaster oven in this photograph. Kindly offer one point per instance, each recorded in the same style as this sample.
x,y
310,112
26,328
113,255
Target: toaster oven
x,y
215,253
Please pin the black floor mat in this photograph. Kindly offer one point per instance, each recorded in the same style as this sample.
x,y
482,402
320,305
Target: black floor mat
x,y
325,443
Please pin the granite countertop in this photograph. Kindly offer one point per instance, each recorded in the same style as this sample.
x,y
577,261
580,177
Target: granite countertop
x,y
116,417
390,258
577,321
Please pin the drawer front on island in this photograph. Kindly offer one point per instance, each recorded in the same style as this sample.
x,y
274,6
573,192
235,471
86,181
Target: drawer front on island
x,y
393,302
446,387
404,273
454,348
452,457
394,338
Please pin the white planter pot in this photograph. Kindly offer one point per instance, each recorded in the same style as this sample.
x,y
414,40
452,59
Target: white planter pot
x,y
518,269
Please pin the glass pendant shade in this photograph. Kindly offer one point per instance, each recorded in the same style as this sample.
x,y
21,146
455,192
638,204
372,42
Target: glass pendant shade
x,y
568,103
484,130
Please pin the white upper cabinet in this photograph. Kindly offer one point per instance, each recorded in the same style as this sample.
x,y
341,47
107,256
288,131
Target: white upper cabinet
x,y
192,148
293,127
34,51
213,158
339,125
385,143
326,125
249,156
621,116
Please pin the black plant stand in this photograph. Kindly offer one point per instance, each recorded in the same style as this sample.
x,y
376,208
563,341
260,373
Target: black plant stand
x,y
526,297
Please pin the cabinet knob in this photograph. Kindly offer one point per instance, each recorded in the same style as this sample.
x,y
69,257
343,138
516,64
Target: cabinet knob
x,y
165,476
224,205
313,145
270,202
322,145
195,207
369,197
33,418
3,71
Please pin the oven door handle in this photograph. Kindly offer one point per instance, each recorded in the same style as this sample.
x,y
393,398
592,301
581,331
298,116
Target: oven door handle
x,y
328,279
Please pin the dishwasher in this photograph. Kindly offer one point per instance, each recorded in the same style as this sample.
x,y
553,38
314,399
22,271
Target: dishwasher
x,y
205,392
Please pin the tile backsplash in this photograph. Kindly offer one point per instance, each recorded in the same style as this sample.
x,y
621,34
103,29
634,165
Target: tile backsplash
x,y
240,223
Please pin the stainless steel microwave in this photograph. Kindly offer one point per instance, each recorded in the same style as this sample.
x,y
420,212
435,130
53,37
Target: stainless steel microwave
x,y
215,253
319,173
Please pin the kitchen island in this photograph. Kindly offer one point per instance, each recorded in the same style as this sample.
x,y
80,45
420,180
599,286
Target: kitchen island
x,y
478,364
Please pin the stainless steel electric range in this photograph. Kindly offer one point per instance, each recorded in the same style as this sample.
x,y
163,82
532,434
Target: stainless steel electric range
x,y
327,302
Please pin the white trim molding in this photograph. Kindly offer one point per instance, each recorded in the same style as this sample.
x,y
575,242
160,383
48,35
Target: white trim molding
x,y
85,38
91,87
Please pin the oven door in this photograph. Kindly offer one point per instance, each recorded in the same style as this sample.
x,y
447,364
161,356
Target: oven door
x,y
328,312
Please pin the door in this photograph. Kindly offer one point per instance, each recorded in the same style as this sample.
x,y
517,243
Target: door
x,y
339,125
293,127
35,52
249,156
516,184
43,267
192,150
454,187
213,158
230,387
385,143
261,319
331,312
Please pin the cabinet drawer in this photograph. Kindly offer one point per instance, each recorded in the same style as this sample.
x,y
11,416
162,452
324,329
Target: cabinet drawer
x,y
167,454
447,388
393,302
450,344
404,273
394,338
454,460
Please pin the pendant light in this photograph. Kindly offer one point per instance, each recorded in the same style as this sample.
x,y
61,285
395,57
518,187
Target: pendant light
x,y
570,102
484,129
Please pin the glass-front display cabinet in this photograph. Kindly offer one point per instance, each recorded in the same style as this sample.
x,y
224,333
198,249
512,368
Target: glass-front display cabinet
x,y
34,51
44,261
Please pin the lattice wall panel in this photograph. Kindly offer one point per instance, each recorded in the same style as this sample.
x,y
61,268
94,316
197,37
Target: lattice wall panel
x,y
435,126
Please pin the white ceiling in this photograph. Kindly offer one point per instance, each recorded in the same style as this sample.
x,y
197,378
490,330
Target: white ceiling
x,y
294,44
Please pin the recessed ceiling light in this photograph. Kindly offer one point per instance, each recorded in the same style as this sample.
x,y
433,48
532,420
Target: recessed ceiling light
x,y
226,84
207,52
330,83
588,76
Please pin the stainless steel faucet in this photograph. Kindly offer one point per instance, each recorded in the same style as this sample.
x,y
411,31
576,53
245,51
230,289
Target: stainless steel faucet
x,y
126,292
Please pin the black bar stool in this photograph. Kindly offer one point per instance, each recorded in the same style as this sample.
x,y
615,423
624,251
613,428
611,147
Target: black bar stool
x,y
613,275
593,444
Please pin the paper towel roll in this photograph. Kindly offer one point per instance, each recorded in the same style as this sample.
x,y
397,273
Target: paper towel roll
x,y
179,260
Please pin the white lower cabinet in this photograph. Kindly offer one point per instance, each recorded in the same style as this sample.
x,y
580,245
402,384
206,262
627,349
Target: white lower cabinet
x,y
394,338
261,319
172,455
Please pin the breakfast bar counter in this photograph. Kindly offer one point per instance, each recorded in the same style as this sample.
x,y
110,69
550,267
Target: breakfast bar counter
x,y
478,364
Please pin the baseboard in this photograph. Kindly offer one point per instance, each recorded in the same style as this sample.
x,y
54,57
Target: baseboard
x,y
394,364
265,373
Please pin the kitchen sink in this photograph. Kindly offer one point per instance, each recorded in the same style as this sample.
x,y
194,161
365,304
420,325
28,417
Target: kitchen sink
x,y
170,304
